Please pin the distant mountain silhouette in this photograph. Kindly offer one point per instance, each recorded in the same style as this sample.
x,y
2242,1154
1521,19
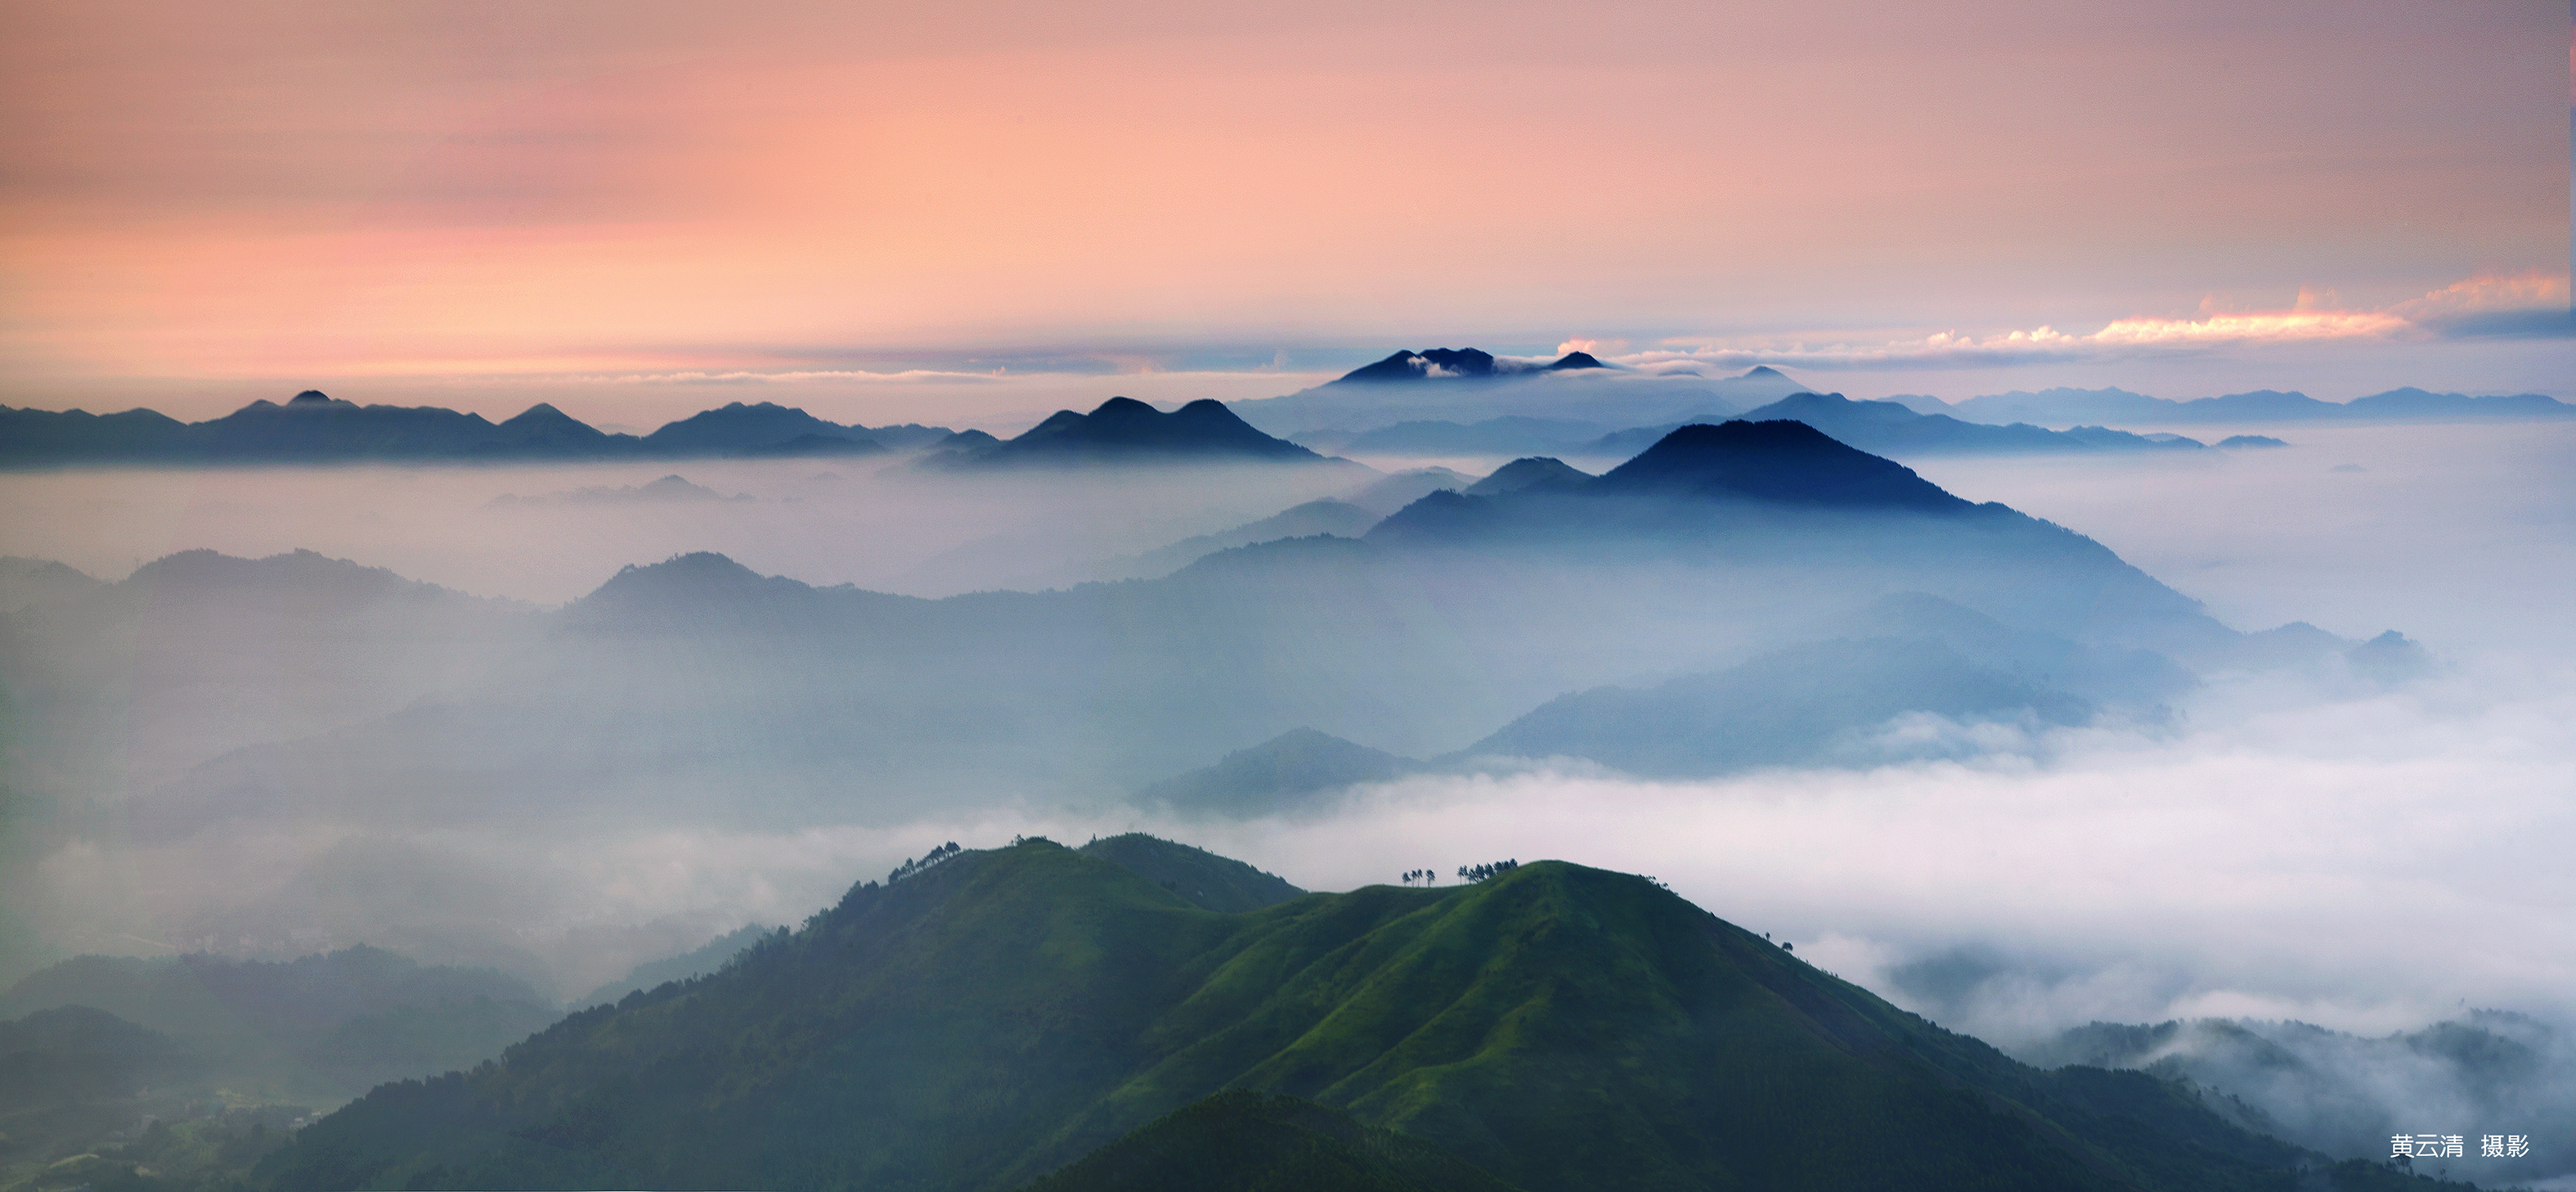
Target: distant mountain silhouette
x,y
65,1056
698,592
1468,387
1314,517
1793,707
1788,462
2299,1081
1447,620
1888,428
1124,430
334,1022
2059,406
1531,474
30,581
737,427
672,488
698,961
1277,775
2238,442
1396,490
312,427
2139,679
1621,444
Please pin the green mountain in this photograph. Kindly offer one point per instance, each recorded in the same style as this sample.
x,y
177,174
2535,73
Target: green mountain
x,y
990,1019
1211,882
1253,1142
706,958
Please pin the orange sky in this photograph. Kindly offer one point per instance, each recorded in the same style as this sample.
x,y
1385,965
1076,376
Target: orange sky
x,y
489,197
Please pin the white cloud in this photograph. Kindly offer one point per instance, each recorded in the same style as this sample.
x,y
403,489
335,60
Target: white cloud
x,y
2364,863
2310,320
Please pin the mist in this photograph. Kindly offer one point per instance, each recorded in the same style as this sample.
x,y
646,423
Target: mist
x,y
2329,843
548,534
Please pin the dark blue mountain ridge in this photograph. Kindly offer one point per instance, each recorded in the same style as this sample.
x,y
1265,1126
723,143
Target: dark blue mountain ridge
x,y
1786,496
1446,363
739,427
2408,404
1889,428
1534,473
1782,461
1124,430
313,427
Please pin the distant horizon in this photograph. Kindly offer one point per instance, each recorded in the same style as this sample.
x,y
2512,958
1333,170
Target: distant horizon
x,y
999,402
941,216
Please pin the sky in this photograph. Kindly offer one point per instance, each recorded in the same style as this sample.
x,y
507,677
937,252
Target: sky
x,y
976,212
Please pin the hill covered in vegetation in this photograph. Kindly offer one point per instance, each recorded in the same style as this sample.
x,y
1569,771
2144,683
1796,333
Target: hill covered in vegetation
x,y
981,1023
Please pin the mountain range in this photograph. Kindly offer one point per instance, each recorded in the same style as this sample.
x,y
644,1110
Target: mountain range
x,y
1882,427
1889,428
1460,402
315,428
1717,547
2348,1094
1040,1013
1474,389
2061,406
324,1027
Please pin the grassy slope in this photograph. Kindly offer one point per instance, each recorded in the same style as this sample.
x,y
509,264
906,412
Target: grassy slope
x,y
1204,878
1245,1141
989,1020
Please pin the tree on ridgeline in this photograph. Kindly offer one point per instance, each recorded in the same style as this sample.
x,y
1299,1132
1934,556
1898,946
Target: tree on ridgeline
x,y
933,857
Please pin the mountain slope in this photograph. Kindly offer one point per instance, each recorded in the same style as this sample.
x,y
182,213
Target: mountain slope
x,y
1203,878
1004,1013
703,959
1243,1141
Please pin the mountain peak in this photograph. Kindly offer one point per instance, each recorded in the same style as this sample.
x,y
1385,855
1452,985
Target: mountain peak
x,y
1101,1000
1782,461
1536,473
685,585
1123,429
1429,363
310,397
